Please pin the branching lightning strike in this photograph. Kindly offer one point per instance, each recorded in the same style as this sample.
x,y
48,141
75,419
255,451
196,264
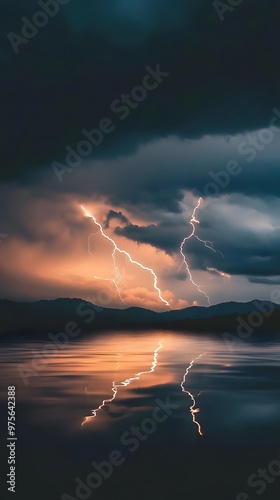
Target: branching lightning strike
x,y
125,383
193,410
117,278
207,244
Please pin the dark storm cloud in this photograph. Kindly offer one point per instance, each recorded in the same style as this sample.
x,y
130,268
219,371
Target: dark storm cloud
x,y
251,261
162,236
248,246
264,281
160,171
115,215
65,79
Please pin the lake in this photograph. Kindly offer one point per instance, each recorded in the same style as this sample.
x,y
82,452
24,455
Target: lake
x,y
144,415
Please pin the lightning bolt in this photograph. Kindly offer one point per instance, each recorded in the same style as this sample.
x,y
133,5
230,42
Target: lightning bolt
x,y
117,278
125,383
193,410
94,412
207,244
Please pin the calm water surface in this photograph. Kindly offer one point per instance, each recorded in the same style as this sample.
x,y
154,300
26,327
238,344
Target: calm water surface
x,y
109,392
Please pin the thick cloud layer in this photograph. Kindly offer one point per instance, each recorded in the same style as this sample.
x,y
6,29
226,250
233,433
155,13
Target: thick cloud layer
x,y
223,76
183,105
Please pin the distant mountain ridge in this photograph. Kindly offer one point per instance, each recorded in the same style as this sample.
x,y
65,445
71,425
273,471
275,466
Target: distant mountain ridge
x,y
52,316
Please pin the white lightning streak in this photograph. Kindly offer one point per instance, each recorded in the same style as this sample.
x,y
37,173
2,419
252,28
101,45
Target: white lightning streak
x,y
193,410
117,249
208,244
118,276
125,383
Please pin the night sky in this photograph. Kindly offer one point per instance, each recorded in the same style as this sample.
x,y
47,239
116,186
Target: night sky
x,y
135,109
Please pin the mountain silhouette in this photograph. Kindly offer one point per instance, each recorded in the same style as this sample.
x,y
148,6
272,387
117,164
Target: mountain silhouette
x,y
46,316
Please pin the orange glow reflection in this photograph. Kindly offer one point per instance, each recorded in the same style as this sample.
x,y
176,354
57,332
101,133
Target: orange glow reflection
x,y
124,383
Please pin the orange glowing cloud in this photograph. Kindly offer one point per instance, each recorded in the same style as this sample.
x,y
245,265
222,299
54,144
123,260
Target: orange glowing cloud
x,y
49,258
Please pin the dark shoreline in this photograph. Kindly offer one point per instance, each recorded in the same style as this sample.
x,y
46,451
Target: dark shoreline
x,y
74,315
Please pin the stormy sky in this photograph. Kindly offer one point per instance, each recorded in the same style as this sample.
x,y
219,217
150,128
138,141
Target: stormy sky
x,y
136,109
